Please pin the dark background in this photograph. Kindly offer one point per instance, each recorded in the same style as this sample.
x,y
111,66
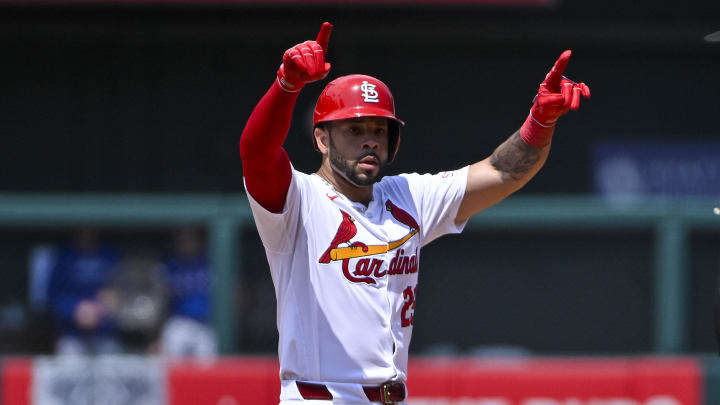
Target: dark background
x,y
151,98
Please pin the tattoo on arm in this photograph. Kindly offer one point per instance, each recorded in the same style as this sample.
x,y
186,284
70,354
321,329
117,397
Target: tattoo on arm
x,y
514,158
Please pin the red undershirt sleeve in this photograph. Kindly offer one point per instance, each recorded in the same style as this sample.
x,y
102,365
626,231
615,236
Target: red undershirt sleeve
x,y
266,165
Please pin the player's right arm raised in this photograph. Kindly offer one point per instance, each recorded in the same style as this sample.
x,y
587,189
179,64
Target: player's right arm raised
x,y
266,166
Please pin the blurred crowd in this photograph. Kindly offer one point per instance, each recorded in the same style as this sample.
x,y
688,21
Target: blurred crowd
x,y
102,301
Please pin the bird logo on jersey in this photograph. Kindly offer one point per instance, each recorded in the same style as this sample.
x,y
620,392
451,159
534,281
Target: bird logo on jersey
x,y
345,232
402,216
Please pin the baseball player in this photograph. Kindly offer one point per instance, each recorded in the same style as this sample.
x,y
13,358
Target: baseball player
x,y
343,244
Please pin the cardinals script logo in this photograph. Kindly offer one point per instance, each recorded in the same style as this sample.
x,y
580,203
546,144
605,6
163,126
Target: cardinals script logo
x,y
341,248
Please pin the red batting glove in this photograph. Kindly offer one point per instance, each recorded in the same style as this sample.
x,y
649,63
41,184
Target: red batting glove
x,y
305,62
557,95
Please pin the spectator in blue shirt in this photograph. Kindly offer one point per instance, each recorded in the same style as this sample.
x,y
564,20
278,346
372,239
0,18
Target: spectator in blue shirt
x,y
187,332
79,300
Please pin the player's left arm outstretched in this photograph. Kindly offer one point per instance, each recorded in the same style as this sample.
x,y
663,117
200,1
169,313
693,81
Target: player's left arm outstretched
x,y
516,160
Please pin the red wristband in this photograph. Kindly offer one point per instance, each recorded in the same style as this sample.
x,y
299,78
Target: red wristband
x,y
536,134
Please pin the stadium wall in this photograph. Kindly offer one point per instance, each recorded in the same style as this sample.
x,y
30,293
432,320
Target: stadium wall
x,y
432,381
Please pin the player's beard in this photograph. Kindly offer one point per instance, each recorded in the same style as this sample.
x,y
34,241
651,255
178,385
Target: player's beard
x,y
346,167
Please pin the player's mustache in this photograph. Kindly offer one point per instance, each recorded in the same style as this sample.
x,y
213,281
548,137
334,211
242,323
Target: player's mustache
x,y
366,154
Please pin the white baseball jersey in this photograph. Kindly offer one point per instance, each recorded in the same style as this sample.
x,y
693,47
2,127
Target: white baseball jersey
x,y
346,275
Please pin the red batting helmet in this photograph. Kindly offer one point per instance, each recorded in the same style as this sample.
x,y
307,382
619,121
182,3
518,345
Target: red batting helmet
x,y
356,96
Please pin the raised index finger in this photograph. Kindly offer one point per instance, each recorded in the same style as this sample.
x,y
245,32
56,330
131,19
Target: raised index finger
x,y
555,76
324,36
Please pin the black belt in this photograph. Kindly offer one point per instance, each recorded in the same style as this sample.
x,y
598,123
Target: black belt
x,y
387,393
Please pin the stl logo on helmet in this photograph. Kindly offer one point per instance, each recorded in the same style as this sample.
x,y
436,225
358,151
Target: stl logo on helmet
x,y
370,95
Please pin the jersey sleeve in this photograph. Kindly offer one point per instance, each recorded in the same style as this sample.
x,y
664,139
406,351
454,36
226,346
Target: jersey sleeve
x,y
266,166
279,230
437,198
